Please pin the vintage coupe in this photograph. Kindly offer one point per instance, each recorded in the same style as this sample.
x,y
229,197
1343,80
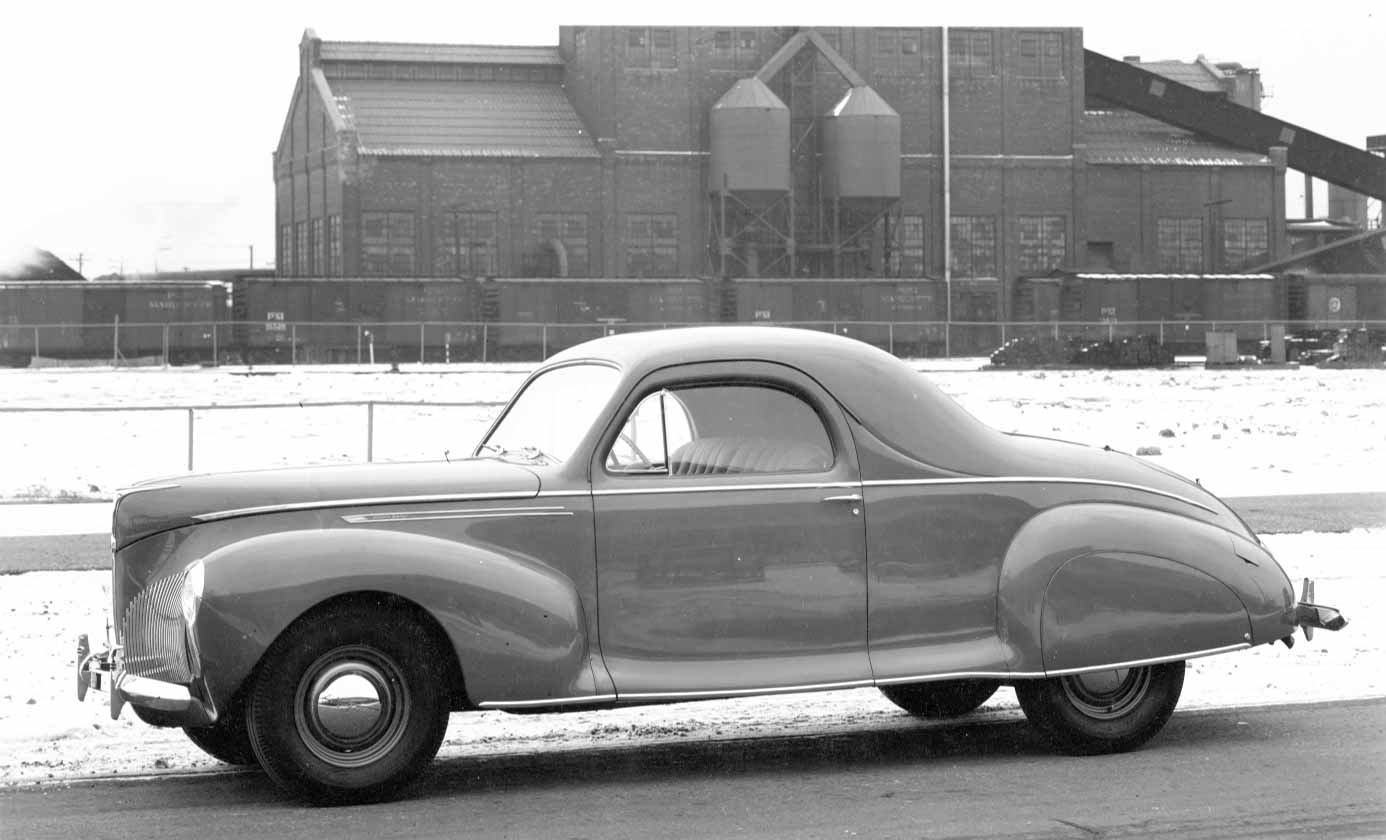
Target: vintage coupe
x,y
681,515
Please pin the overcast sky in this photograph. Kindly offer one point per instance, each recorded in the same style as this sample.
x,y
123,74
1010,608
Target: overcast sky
x,y
138,135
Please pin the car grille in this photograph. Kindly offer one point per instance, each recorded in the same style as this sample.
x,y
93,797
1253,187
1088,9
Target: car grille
x,y
155,635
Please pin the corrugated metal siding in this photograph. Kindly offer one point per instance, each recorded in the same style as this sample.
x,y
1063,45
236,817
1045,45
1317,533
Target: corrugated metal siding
x,y
462,119
1122,137
446,53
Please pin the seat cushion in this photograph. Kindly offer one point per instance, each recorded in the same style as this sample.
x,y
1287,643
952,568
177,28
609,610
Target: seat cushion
x,y
733,455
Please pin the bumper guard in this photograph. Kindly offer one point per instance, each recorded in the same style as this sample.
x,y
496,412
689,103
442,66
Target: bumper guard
x,y
1310,615
103,671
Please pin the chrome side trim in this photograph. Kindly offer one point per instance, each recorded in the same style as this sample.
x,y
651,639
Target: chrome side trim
x,y
130,491
539,704
925,482
956,675
463,513
745,692
722,488
1141,663
362,502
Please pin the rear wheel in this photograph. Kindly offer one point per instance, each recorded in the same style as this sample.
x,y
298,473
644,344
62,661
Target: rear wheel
x,y
942,699
1104,711
226,740
350,705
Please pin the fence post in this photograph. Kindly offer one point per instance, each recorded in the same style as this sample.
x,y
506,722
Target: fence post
x,y
165,345
483,342
421,342
1162,333
543,342
370,432
190,440
36,344
1003,332
890,337
215,361
115,343
358,344
293,344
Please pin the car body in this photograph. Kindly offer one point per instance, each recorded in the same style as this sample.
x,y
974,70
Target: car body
x,y
678,515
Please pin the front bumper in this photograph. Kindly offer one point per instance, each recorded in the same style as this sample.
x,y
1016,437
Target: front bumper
x,y
103,671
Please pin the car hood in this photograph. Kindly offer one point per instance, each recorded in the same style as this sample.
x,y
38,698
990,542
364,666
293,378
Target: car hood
x,y
163,504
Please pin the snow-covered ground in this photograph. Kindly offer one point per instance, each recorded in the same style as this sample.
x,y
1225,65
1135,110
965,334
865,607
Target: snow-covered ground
x,y
1243,432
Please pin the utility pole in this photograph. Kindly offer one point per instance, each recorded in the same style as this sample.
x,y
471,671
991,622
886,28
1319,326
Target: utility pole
x,y
252,256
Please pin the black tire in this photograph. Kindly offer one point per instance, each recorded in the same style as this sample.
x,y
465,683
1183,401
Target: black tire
x,y
942,699
1105,712
349,705
226,740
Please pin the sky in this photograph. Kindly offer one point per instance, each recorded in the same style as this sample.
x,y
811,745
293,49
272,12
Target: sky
x,y
138,136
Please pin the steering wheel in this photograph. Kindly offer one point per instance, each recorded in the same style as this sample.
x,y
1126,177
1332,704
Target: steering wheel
x,y
644,462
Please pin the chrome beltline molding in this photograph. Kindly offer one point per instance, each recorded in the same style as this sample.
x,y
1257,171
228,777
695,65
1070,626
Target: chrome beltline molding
x,y
683,488
1025,479
461,513
918,678
363,502
725,488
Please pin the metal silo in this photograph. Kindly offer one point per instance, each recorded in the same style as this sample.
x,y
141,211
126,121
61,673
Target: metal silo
x,y
861,148
750,144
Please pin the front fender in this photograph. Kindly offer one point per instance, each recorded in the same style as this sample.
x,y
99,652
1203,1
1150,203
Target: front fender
x,y
1093,584
516,626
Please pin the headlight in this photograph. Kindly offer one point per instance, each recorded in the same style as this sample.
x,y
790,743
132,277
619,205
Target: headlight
x,y
191,596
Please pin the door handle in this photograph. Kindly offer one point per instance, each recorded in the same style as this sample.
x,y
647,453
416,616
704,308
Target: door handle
x,y
850,497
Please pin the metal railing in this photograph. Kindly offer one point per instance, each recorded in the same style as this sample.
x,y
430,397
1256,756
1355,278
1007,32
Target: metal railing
x,y
192,413
305,342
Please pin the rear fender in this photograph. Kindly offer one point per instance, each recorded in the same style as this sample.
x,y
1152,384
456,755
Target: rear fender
x,y
1088,585
517,627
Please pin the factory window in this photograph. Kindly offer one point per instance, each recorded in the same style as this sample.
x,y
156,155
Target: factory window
x,y
301,249
899,51
466,245
970,52
568,230
1041,55
652,245
974,246
1043,243
1245,242
650,48
1180,244
334,246
286,251
908,259
387,244
734,47
317,265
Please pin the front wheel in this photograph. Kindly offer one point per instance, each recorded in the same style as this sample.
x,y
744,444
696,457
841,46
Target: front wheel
x,y
942,699
349,705
1104,711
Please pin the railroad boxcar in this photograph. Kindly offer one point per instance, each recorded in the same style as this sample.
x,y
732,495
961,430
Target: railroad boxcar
x,y
891,313
534,317
168,319
343,319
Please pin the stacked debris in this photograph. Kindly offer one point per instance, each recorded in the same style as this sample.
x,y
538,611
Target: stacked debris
x,y
1137,351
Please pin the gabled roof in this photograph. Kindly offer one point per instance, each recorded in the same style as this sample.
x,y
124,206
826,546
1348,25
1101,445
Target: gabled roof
x,y
1124,137
1199,74
444,53
461,119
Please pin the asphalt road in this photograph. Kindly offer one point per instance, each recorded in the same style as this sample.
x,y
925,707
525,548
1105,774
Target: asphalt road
x,y
1265,514
1289,771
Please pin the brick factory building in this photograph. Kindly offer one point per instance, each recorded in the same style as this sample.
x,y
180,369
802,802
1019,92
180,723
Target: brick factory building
x,y
771,152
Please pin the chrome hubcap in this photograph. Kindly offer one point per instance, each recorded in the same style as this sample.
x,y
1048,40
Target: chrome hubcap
x,y
1107,695
352,707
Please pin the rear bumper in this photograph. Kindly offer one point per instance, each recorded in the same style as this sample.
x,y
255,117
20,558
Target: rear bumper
x,y
102,671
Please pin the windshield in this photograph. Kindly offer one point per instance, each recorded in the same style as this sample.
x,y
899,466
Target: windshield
x,y
545,421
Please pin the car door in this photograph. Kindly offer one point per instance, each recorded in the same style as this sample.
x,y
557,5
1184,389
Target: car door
x,y
730,533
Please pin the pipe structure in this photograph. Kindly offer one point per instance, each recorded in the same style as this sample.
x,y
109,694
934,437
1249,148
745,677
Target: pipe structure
x,y
947,202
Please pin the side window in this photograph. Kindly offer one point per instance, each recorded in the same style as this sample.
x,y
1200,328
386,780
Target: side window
x,y
722,430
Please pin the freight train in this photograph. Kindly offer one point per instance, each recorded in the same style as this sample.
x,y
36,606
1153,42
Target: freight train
x,y
256,317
